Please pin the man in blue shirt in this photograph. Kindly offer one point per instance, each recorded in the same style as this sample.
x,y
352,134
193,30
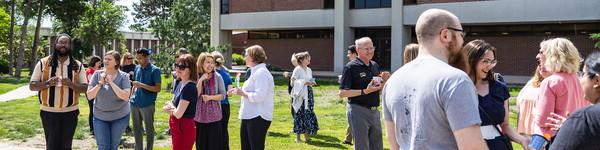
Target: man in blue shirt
x,y
146,85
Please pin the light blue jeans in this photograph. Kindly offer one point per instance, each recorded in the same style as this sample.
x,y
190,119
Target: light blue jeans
x,y
108,133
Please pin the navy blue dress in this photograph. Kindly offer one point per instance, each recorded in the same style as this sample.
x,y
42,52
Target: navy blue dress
x,y
305,120
493,104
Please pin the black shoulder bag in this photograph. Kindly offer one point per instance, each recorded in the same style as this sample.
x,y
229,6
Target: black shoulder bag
x,y
505,139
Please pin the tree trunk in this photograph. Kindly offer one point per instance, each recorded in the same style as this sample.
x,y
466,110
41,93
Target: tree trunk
x,y
27,7
36,40
11,41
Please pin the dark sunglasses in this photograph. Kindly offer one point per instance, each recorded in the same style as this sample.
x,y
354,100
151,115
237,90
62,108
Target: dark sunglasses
x,y
457,30
128,58
181,67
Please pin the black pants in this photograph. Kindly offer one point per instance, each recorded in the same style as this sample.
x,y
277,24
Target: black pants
x,y
59,129
91,115
253,133
208,136
225,123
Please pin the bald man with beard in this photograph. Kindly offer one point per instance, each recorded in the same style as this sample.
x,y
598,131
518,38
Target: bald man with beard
x,y
427,103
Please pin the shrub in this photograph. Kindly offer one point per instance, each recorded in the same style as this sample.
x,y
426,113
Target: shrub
x,y
3,66
238,59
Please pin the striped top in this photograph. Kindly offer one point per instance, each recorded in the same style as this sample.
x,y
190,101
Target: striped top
x,y
58,98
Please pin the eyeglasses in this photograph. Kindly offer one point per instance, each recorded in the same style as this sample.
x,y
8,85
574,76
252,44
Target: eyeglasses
x,y
457,30
128,58
490,62
181,67
369,48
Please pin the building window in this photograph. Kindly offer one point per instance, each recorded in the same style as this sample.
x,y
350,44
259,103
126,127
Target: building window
x,y
329,4
258,35
373,3
361,4
386,3
291,34
224,6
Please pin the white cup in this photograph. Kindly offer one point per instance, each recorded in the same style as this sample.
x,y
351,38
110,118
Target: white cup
x,y
377,81
59,82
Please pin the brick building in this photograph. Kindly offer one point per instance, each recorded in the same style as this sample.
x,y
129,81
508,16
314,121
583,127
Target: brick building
x,y
135,40
326,27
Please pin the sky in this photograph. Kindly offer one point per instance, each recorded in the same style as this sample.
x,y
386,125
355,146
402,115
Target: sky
x,y
127,3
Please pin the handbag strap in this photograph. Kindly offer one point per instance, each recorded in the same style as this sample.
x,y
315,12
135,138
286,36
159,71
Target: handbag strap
x,y
488,115
491,119
496,127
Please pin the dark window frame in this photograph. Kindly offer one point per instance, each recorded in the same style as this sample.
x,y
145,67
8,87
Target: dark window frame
x,y
364,4
328,4
225,6
292,34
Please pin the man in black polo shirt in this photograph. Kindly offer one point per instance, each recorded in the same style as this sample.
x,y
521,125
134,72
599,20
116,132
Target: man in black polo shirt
x,y
361,84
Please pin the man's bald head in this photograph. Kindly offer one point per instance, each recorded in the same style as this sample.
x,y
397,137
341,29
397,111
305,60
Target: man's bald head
x,y
362,42
364,48
432,21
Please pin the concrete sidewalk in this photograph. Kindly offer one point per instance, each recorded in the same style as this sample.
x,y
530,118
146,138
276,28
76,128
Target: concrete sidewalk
x,y
12,147
19,93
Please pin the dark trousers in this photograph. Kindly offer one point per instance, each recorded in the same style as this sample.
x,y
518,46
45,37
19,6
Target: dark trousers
x,y
59,129
91,115
141,116
292,108
208,136
225,123
253,133
365,126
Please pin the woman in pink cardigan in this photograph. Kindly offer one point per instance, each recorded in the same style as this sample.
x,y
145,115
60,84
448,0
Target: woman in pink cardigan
x,y
561,92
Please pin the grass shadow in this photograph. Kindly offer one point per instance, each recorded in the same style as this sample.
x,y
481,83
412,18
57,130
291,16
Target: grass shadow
x,y
326,138
277,134
327,144
14,80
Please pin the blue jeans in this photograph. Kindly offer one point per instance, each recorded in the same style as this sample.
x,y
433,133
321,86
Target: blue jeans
x,y
108,133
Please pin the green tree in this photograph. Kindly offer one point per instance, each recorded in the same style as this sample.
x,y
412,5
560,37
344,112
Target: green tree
x,y
596,36
36,41
11,41
189,25
99,25
4,28
164,60
183,23
151,15
21,51
67,14
4,31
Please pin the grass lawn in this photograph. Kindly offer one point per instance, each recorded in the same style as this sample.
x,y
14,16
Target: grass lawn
x,y
20,120
10,83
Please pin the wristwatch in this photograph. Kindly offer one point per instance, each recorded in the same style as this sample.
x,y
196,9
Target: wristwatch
x,y
362,91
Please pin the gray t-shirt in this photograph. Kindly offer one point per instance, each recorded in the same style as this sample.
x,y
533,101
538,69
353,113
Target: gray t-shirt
x,y
427,100
107,106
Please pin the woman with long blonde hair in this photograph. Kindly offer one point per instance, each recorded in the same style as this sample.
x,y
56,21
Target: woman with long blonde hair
x,y
527,99
561,92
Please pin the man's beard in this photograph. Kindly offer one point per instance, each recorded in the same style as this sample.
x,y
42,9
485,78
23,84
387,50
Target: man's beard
x,y
62,53
453,48
456,57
